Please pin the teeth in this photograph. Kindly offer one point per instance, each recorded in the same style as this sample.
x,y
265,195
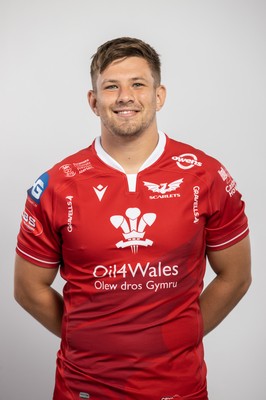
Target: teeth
x,y
125,112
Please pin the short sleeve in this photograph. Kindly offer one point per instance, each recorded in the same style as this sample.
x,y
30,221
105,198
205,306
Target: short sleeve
x,y
37,241
227,223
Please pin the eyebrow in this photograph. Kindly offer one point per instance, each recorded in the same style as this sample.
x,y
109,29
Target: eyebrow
x,y
116,80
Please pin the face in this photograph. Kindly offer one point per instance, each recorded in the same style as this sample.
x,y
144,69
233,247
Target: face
x,y
126,99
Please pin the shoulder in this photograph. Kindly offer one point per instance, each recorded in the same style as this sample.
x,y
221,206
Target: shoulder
x,y
191,159
73,165
204,167
64,172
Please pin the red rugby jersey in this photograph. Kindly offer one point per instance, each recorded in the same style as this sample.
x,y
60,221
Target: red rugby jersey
x,y
132,251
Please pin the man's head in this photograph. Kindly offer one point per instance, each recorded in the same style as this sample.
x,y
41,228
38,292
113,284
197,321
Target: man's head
x,y
127,91
121,48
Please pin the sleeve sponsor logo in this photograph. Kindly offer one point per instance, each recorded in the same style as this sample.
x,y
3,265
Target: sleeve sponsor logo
x,y
39,186
30,223
230,187
187,161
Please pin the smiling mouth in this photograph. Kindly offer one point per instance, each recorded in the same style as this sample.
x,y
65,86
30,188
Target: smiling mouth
x,y
126,113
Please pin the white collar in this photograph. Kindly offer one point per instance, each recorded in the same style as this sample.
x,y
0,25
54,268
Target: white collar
x,y
107,159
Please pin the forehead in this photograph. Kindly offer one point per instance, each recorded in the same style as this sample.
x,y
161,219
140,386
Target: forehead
x,y
126,69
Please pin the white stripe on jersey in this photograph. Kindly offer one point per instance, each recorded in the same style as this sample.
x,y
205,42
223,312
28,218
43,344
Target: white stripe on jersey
x,y
228,241
37,259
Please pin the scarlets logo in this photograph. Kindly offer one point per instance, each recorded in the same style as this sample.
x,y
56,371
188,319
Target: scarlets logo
x,y
133,228
163,188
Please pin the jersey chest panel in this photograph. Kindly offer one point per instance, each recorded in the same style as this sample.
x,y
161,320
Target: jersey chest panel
x,y
114,239
102,214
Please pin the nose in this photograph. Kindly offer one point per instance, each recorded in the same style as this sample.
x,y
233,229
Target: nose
x,y
125,95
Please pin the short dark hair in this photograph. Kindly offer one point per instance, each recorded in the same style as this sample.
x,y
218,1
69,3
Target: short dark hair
x,y
125,47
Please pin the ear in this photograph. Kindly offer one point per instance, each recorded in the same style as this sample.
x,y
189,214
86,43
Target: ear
x,y
93,101
160,97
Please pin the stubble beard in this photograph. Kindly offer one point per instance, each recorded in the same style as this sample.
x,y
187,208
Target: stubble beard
x,y
128,129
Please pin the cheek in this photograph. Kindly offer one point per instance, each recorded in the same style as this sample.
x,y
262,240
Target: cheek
x,y
95,110
104,103
149,102
99,108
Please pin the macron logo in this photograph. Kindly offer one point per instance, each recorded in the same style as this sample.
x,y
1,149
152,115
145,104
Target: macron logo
x,y
100,190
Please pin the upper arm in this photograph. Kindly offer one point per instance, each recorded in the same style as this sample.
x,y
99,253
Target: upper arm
x,y
232,263
30,278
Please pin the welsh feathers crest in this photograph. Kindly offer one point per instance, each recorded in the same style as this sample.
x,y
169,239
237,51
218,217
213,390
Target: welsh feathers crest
x,y
133,228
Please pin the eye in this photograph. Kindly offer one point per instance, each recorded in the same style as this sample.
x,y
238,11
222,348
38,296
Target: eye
x,y
111,87
138,84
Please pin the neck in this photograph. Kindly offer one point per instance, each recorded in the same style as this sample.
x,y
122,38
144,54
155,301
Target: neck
x,y
130,152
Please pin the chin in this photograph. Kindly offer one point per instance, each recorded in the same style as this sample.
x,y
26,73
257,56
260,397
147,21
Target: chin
x,y
129,130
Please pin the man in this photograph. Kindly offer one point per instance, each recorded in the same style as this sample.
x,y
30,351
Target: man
x,y
129,221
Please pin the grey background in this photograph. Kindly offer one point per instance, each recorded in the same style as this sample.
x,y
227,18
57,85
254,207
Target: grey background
x,y
213,57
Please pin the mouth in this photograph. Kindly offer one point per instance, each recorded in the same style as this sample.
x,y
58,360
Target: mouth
x,y
126,113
